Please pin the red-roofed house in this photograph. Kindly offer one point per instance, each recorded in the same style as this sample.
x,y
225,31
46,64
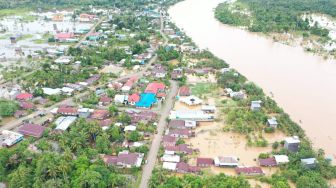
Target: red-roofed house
x,y
129,84
183,167
86,17
155,87
32,130
134,98
182,148
268,162
249,171
26,105
105,100
100,114
24,96
204,162
67,111
168,140
184,91
181,133
62,37
124,159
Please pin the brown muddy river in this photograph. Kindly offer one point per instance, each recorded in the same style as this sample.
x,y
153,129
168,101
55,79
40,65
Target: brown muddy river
x,y
303,84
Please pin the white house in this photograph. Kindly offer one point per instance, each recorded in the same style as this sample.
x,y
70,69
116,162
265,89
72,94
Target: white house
x,y
281,159
120,99
272,122
227,161
170,158
169,166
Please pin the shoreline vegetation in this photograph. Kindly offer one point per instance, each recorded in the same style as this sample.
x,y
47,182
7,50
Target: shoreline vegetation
x,y
284,21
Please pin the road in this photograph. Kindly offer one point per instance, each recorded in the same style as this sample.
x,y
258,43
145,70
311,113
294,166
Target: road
x,y
153,152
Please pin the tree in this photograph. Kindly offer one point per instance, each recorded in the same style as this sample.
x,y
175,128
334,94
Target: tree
x,y
133,136
124,118
90,179
115,134
22,177
103,143
8,108
113,110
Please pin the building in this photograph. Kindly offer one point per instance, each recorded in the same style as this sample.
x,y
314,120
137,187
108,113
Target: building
x,y
121,99
169,166
191,100
292,143
170,158
184,91
176,74
208,108
169,140
227,161
105,100
125,159
309,162
33,130
269,162
281,159
141,116
256,105
155,88
63,60
130,128
26,105
58,17
63,123
133,99
87,17
67,111
50,91
129,84
272,122
64,37
204,162
100,114
192,115
183,168
159,71
24,96
147,100
181,148
249,171
9,138
181,133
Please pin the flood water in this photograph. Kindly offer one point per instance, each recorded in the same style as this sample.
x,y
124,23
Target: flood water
x,y
303,84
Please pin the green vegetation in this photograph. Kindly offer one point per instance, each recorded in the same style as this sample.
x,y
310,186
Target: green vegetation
x,y
8,108
161,179
275,16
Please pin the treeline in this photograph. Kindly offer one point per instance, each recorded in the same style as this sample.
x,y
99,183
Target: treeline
x,y
276,16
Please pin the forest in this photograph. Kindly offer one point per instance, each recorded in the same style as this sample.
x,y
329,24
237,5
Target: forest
x,y
275,16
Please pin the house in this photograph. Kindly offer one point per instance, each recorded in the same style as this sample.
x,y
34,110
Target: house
x,y
208,108
170,158
63,60
204,162
193,115
256,105
105,123
121,99
87,17
64,37
227,161
183,168
281,159
33,130
100,114
169,166
272,122
133,99
176,74
129,84
181,148
169,140
63,123
9,138
159,71
268,162
249,171
20,113
155,87
24,96
105,100
26,105
125,159
58,17
309,162
181,133
84,112
129,128
184,91
237,95
50,91
292,143
176,124
94,78
67,111
67,91
191,100
147,100
141,116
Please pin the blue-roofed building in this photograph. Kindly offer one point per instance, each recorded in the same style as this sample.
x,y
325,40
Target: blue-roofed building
x,y
146,100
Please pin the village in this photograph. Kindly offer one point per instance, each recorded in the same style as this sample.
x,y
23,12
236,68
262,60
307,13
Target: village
x,y
139,97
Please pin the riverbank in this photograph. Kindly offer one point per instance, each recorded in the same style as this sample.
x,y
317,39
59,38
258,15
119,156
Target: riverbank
x,y
296,79
313,32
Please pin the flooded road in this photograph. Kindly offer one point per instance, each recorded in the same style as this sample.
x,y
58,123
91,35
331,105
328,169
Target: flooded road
x,y
303,84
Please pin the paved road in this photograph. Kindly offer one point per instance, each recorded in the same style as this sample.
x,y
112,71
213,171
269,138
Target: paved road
x,y
153,152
